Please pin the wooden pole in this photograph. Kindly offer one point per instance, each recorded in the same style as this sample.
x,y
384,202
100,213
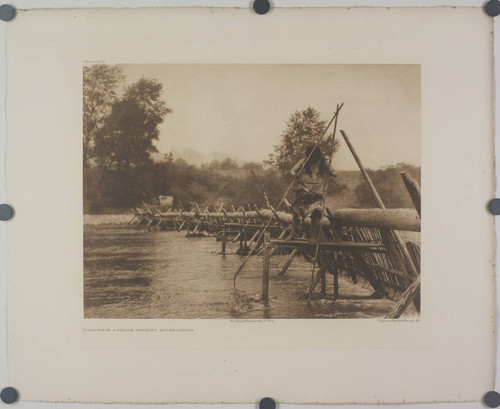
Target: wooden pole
x,y
391,219
326,261
363,171
265,267
253,244
368,273
254,236
245,238
224,239
267,199
336,283
286,266
283,198
132,219
408,296
288,263
394,254
339,107
282,235
325,188
412,269
332,245
237,237
334,269
413,190
323,285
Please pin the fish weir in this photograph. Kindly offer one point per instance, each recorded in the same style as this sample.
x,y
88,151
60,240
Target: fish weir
x,y
354,243
363,245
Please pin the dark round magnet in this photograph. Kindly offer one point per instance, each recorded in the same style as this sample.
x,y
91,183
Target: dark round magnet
x,y
493,8
7,12
6,212
492,399
261,6
267,403
494,206
8,395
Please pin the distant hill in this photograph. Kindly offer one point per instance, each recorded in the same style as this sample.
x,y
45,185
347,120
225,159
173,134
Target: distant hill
x,y
352,190
347,198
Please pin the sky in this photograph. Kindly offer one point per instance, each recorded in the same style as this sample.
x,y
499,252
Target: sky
x,y
241,110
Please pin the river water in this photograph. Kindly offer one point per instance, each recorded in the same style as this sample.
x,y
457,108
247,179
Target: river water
x,y
130,272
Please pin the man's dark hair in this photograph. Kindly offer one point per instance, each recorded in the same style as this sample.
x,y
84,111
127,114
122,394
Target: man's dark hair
x,y
316,155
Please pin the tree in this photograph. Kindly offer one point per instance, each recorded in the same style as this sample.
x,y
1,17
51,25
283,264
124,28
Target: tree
x,y
252,165
303,128
125,142
128,135
100,83
228,164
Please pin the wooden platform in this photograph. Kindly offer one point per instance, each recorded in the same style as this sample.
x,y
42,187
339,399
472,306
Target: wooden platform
x,y
330,245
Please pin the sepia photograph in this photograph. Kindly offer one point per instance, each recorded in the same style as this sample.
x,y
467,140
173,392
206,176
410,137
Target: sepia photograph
x,y
251,213
251,191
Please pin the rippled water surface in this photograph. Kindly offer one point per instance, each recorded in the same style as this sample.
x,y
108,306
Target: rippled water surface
x,y
130,272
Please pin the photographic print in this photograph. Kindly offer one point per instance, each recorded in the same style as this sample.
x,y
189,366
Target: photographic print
x,y
251,191
251,211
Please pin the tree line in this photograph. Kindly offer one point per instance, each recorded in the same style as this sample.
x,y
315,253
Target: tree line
x,y
120,127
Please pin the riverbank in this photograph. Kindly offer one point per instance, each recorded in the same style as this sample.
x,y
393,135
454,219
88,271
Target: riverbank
x,y
104,219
